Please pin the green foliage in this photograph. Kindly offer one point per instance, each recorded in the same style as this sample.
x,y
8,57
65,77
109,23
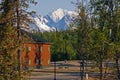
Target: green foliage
x,y
95,36
101,35
107,18
12,13
63,43
8,45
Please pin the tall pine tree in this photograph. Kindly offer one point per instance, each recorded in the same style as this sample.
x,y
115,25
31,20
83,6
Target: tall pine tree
x,y
12,16
106,13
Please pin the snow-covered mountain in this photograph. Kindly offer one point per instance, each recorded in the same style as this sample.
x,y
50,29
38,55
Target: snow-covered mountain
x,y
38,24
58,19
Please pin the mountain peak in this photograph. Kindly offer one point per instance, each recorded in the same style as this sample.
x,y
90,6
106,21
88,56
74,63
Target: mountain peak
x,y
60,9
59,19
60,13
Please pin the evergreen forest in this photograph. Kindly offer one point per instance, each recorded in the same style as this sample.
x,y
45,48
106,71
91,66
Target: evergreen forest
x,y
96,35
96,31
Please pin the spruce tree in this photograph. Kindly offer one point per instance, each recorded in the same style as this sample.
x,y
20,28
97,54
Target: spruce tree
x,y
8,37
12,16
106,15
83,37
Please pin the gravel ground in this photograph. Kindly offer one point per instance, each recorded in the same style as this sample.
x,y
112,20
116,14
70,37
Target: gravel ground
x,y
69,70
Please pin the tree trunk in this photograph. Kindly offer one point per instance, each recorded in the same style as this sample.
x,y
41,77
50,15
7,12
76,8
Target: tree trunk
x,y
100,67
117,64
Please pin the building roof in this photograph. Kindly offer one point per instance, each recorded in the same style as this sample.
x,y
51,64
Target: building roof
x,y
29,38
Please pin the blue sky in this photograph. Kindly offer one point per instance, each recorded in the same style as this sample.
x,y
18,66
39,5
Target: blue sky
x,y
46,6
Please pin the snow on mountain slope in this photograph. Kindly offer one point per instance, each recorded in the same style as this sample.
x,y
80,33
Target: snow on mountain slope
x,y
39,24
57,15
59,19
64,23
60,13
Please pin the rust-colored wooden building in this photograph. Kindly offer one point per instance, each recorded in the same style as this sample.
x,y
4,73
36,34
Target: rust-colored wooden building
x,y
36,54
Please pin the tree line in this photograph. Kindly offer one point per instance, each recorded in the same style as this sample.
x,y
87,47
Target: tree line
x,y
97,30
97,36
